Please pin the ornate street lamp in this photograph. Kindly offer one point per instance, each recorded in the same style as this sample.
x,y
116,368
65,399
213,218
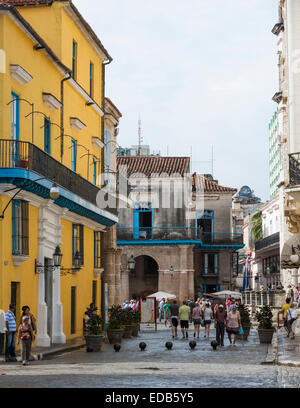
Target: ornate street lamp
x,y
294,257
54,192
171,270
131,263
57,257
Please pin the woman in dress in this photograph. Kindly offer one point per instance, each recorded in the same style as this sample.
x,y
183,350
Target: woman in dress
x,y
233,324
25,337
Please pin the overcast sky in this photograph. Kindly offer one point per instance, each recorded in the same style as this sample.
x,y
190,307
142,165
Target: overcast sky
x,y
199,73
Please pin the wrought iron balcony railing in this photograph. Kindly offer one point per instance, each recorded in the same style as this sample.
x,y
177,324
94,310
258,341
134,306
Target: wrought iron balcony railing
x,y
178,234
266,242
25,155
294,162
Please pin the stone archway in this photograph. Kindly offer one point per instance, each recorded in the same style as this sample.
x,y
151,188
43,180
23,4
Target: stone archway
x,y
144,280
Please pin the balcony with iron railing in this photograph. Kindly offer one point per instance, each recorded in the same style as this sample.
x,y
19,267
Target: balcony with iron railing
x,y
27,156
130,235
294,167
267,241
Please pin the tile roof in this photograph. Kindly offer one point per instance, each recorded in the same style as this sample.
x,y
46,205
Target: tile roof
x,y
148,165
209,185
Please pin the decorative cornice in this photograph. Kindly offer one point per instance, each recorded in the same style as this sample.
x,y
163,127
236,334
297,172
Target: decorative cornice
x,y
77,124
19,74
51,101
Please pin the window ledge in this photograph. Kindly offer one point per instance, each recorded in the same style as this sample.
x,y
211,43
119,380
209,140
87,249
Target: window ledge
x,y
19,259
98,272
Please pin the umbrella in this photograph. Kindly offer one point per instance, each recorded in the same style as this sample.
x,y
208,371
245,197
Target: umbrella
x,y
160,295
225,293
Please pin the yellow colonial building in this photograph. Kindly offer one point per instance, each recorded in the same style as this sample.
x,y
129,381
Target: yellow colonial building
x,y
51,162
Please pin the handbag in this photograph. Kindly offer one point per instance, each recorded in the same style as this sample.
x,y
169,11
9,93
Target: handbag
x,y
241,330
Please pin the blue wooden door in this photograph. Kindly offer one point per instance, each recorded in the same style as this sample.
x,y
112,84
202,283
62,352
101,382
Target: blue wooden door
x,y
14,154
136,226
47,136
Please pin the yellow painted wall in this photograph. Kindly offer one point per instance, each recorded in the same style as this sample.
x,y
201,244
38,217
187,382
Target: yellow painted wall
x,y
24,274
58,33
82,280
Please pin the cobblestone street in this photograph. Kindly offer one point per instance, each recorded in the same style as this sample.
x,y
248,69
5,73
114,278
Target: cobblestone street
x,y
232,366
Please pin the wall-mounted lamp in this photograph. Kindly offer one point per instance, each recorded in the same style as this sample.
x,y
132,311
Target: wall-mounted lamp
x,y
171,270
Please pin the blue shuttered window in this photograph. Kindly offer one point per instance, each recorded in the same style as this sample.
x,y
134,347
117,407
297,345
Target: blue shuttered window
x,y
97,253
20,228
73,155
14,111
47,136
74,60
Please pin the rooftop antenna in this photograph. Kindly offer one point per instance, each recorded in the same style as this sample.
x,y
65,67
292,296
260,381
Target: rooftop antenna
x,y
212,161
140,135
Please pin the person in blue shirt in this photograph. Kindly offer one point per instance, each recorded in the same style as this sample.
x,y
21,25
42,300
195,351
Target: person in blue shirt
x,y
11,330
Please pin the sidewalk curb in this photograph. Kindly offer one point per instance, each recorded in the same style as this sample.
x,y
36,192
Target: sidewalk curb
x,y
272,355
43,355
59,350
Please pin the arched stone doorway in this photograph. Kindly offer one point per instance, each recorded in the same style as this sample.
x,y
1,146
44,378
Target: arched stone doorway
x,y
144,280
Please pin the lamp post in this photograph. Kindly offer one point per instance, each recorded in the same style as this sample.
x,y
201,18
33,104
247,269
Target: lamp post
x,y
131,263
54,193
57,257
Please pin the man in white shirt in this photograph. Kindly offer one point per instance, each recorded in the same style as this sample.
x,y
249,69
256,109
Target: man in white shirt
x,y
161,308
2,331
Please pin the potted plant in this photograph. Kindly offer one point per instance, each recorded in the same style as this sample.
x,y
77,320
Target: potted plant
x,y
135,325
94,333
245,321
115,326
265,326
127,318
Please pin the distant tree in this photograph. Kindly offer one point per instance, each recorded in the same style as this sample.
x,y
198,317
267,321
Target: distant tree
x,y
256,230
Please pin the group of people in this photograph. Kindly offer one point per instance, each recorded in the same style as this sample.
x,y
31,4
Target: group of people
x,y
201,314
290,312
132,304
24,333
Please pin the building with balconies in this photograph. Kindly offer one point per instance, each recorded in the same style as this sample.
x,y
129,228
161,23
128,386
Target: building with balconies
x,y
178,229
51,126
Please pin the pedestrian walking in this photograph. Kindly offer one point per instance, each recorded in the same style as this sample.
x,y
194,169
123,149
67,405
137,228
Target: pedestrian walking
x,y
10,329
292,314
174,311
25,337
297,295
207,317
2,331
161,309
233,302
32,320
220,323
166,309
228,303
233,324
184,317
283,311
196,315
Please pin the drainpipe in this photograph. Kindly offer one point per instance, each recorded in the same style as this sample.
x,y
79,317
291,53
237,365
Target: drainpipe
x,y
102,172
62,130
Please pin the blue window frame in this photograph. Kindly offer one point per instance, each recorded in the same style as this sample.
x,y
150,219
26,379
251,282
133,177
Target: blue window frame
x,y
97,252
20,228
15,128
204,225
47,136
211,263
91,80
106,158
78,242
73,154
95,172
142,220
74,60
